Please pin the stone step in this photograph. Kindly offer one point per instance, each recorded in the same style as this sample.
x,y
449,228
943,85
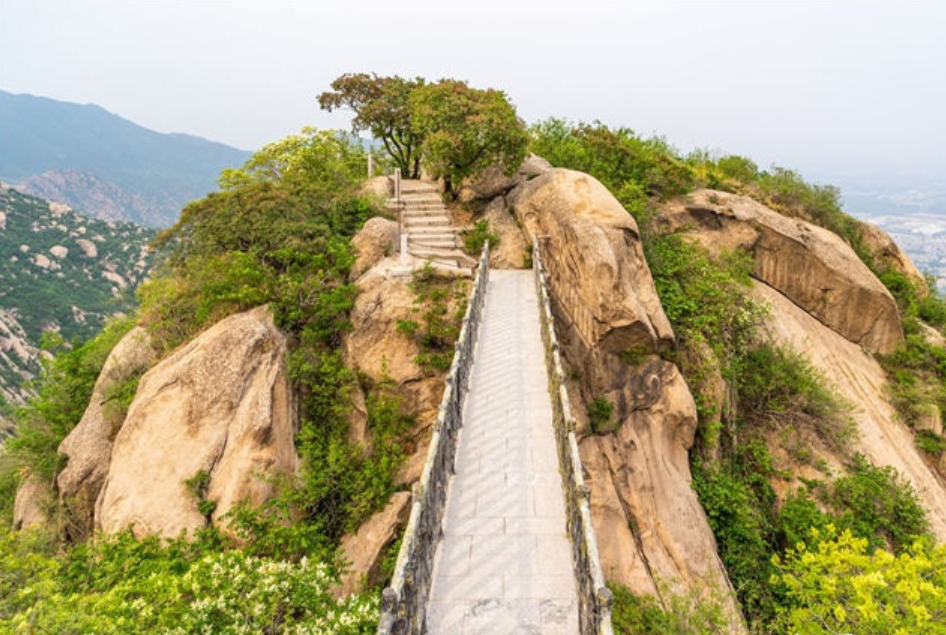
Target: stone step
x,y
431,243
426,222
428,235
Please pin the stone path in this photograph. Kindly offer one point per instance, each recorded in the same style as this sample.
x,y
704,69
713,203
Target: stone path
x,y
504,562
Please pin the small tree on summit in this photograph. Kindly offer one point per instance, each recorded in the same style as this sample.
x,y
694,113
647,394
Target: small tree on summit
x,y
453,130
465,130
382,107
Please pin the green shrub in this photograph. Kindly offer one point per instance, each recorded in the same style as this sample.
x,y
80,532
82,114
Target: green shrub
x,y
601,416
119,584
930,442
835,583
474,239
686,614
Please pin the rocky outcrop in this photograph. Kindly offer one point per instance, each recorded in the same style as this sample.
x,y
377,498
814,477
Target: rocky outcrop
x,y
222,406
888,255
810,265
510,252
652,532
31,506
597,272
376,348
364,550
88,447
492,182
372,243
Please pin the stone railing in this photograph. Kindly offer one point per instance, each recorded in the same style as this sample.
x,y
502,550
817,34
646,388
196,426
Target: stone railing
x,y
594,598
404,602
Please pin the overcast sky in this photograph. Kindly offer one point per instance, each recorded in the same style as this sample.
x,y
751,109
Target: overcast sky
x,y
829,88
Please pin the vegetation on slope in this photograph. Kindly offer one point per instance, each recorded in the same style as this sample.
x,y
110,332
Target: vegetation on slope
x,y
62,273
278,233
771,395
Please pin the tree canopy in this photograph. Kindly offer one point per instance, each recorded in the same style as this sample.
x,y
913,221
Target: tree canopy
x,y
452,130
382,107
466,130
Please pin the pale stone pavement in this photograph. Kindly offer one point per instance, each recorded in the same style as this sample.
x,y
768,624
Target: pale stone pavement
x,y
503,566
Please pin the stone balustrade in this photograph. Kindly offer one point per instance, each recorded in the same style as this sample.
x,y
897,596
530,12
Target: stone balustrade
x,y
594,597
404,602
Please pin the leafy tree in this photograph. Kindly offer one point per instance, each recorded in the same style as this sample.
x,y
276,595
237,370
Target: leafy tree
x,y
835,585
382,107
466,130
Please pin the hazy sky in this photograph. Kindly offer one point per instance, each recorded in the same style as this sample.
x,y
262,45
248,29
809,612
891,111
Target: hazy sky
x,y
830,88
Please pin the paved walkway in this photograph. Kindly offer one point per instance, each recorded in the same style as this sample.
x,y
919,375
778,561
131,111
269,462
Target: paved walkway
x,y
504,564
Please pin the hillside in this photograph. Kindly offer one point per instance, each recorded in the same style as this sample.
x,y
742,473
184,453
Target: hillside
x,y
60,272
93,160
755,382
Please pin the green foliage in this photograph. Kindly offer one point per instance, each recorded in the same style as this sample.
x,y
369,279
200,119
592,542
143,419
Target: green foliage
x,y
634,169
837,585
779,388
465,130
441,304
69,295
474,239
877,504
930,442
686,614
738,501
119,584
601,416
382,107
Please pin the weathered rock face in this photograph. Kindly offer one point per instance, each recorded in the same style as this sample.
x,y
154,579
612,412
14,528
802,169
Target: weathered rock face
x,y
889,255
89,446
859,379
511,251
364,549
372,243
597,272
650,526
223,405
34,499
376,348
812,266
493,183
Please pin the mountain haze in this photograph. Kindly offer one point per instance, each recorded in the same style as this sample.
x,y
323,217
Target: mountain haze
x,y
103,164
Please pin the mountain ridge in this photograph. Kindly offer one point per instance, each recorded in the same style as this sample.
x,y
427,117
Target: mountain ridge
x,y
46,140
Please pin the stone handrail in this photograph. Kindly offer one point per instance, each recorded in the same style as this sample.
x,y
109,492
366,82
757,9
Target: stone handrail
x,y
404,602
594,598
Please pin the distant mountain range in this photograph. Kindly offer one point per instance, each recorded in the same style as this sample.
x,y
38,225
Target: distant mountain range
x,y
60,272
103,165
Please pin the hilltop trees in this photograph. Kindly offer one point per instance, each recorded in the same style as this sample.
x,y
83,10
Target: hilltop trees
x,y
449,128
382,107
465,130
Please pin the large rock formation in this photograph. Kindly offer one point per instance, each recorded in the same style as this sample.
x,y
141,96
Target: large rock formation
x,y
88,447
652,531
220,406
373,243
810,265
597,272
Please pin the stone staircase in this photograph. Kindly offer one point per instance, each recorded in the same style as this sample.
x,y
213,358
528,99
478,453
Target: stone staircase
x,y
426,221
